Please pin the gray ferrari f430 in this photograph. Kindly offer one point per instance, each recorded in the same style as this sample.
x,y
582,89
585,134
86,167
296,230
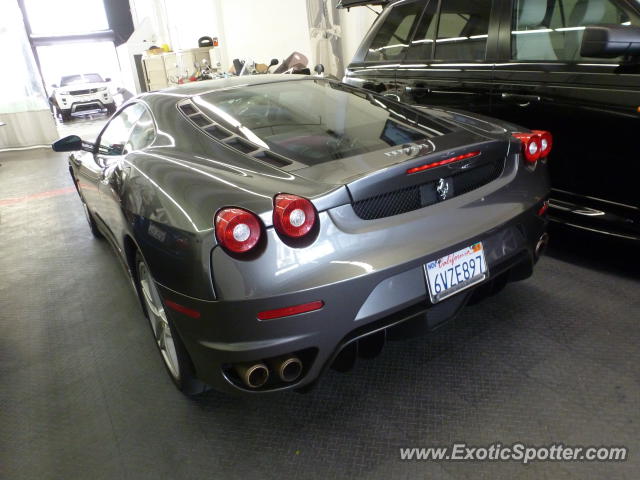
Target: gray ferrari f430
x,y
275,226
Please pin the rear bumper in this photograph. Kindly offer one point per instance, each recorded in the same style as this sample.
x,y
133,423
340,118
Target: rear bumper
x,y
228,331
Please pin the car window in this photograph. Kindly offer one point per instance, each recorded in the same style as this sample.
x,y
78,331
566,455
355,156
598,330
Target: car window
x,y
142,134
463,29
392,38
75,79
421,47
552,31
115,136
317,121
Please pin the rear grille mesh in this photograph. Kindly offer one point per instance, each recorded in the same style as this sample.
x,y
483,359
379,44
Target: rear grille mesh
x,y
418,196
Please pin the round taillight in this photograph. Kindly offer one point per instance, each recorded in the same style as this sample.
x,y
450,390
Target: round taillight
x,y
293,216
546,142
531,146
237,230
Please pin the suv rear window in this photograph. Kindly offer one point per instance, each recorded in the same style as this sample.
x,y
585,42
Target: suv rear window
x,y
315,121
392,38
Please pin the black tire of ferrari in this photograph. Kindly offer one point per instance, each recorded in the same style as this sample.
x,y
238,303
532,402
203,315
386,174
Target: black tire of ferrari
x,y
188,383
93,226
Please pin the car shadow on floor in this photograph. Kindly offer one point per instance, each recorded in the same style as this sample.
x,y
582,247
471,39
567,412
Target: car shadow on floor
x,y
595,252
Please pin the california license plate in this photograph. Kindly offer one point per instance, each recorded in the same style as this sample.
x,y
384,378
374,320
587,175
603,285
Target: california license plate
x,y
455,272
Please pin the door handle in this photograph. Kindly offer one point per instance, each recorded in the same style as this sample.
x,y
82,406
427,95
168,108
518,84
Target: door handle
x,y
521,100
417,89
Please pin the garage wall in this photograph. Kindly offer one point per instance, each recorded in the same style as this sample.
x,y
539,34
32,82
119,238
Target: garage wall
x,y
262,30
355,25
188,20
255,29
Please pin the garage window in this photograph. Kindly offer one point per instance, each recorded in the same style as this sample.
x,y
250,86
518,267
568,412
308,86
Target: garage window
x,y
392,38
65,17
552,31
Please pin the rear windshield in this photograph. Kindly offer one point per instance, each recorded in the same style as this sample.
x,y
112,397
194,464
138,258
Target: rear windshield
x,y
315,121
76,79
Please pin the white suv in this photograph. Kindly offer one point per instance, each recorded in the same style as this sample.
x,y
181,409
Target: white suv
x,y
81,93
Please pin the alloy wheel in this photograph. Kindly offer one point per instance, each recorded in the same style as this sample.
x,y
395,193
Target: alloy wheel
x,y
158,320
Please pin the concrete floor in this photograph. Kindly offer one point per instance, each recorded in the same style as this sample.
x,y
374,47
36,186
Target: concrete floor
x,y
84,393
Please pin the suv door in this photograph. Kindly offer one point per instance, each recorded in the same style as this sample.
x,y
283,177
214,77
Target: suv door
x,y
590,105
449,60
374,65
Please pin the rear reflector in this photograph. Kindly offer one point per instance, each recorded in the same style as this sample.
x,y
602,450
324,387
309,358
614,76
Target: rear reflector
x,y
288,311
543,209
442,162
182,309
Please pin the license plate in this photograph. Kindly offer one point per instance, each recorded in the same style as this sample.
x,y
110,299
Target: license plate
x,y
455,272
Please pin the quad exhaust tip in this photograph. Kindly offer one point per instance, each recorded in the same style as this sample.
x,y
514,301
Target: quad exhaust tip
x,y
253,375
541,246
288,368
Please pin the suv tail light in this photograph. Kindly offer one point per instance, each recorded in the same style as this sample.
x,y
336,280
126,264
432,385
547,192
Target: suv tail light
x,y
293,216
546,142
237,230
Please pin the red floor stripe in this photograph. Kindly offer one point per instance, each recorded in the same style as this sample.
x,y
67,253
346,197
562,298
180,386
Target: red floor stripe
x,y
37,196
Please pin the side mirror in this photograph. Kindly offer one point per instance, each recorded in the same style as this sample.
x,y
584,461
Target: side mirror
x,y
274,62
108,79
72,143
319,69
609,41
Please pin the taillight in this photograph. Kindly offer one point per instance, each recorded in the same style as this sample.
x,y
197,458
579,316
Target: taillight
x,y
237,230
293,216
530,146
546,142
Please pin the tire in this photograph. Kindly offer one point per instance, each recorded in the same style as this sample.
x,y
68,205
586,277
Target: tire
x,y
65,115
173,352
93,226
111,109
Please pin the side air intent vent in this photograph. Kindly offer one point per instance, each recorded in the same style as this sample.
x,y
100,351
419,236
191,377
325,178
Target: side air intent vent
x,y
199,120
241,145
419,196
273,159
218,132
188,109
231,139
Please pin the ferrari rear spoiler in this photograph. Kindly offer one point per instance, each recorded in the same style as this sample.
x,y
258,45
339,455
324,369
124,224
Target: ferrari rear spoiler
x,y
360,3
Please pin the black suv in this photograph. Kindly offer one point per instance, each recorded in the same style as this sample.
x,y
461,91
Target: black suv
x,y
568,66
